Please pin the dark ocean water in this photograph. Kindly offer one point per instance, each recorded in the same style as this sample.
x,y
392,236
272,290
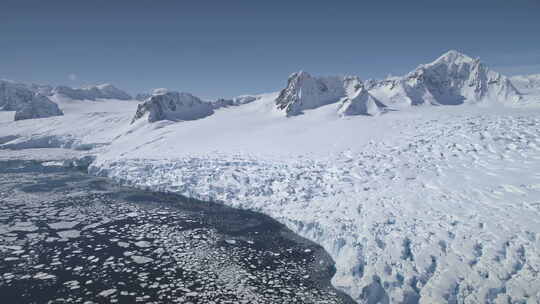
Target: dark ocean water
x,y
67,237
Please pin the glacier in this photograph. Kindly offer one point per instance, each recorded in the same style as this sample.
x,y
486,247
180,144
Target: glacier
x,y
423,188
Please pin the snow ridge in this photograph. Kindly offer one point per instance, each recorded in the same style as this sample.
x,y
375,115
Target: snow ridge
x,y
102,91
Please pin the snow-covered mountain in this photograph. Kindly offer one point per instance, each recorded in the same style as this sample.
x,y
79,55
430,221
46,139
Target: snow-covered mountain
x,y
43,89
142,96
173,106
39,106
102,91
13,95
526,81
452,79
304,92
27,100
361,103
528,86
236,101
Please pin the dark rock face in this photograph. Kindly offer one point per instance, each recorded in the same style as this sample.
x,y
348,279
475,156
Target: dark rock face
x,y
173,106
38,106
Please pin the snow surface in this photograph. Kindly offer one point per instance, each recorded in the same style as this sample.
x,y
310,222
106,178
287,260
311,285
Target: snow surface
x,y
421,205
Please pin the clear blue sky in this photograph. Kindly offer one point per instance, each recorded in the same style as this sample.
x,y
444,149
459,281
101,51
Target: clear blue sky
x,y
231,47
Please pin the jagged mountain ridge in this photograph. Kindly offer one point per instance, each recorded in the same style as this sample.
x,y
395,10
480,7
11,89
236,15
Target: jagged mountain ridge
x,y
102,91
304,92
452,79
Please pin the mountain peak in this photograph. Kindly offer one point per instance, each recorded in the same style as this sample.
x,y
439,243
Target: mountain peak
x,y
174,106
453,56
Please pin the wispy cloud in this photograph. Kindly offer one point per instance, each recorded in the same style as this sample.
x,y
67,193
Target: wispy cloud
x,y
73,77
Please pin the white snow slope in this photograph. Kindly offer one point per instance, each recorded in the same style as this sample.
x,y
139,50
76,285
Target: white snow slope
x,y
422,205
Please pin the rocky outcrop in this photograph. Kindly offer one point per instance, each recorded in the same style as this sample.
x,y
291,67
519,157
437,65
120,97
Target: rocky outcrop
x,y
39,106
173,106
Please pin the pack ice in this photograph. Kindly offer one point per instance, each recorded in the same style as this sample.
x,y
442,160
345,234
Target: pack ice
x,y
424,188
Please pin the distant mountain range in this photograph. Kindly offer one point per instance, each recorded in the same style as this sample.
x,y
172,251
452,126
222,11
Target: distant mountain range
x,y
452,79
